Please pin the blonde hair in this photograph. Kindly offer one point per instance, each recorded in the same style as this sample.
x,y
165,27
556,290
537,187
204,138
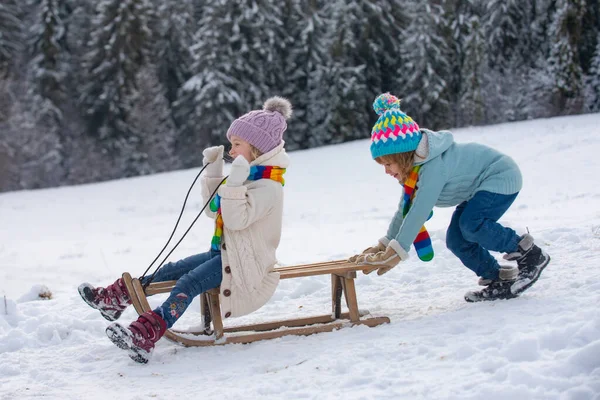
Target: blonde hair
x,y
254,152
405,161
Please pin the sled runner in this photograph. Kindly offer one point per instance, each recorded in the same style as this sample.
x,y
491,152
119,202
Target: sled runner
x,y
213,332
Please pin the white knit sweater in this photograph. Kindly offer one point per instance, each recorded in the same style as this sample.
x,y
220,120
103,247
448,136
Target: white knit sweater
x,y
252,218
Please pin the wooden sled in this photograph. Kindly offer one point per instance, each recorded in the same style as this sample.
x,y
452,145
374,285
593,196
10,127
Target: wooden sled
x,y
342,274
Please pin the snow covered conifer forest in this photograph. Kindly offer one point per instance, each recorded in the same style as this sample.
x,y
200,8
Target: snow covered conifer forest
x,y
105,89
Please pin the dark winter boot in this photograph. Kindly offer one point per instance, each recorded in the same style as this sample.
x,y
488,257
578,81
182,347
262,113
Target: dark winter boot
x,y
140,337
111,301
495,289
531,261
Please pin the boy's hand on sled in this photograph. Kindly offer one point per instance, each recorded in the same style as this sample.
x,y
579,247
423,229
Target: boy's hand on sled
x,y
240,169
383,261
214,157
371,250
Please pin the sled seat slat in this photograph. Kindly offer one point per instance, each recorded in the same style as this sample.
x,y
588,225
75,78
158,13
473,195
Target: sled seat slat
x,y
288,272
342,275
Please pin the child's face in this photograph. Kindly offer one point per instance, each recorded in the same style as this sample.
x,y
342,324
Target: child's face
x,y
239,147
393,170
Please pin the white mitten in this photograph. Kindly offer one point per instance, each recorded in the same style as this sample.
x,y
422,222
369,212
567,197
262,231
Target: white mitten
x,y
214,157
240,169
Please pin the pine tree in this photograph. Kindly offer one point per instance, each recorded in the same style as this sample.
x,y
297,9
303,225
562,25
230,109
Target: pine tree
x,y
209,101
593,81
456,16
425,75
507,25
176,37
48,67
11,35
306,68
471,103
590,29
120,41
349,109
198,10
151,115
236,68
259,40
565,69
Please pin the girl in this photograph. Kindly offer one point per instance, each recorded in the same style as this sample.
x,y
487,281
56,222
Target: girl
x,y
436,171
248,217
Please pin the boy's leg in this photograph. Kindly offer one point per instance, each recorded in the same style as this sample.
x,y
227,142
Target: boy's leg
x,y
471,254
172,271
478,224
204,277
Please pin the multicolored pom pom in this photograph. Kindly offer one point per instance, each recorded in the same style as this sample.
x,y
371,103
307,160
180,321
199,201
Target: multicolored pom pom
x,y
384,102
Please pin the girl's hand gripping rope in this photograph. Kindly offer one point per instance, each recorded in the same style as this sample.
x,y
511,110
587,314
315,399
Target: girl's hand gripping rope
x,y
214,157
240,169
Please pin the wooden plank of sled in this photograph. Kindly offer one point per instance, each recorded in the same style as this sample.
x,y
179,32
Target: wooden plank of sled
x,y
183,339
305,331
268,326
297,271
351,301
320,264
140,303
133,294
215,311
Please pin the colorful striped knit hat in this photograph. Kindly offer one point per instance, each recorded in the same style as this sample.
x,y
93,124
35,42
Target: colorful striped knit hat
x,y
394,132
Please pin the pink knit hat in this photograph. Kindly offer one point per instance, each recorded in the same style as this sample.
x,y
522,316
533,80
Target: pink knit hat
x,y
264,128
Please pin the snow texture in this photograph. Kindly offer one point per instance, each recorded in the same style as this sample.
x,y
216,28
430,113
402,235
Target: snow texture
x,y
542,345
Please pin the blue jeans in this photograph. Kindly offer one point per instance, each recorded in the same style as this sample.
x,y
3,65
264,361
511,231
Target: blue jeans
x,y
474,230
194,275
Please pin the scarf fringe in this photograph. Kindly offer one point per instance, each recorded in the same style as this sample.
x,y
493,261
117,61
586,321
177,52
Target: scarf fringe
x,y
422,242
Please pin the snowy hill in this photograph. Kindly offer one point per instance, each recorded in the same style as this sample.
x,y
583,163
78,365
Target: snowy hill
x,y
543,345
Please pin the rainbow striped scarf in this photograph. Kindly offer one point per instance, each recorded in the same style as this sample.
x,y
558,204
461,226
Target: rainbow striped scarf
x,y
423,241
256,172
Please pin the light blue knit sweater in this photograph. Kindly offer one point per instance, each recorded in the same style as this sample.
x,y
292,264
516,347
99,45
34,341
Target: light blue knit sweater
x,y
453,173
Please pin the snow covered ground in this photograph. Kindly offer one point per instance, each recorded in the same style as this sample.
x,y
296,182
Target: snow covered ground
x,y
543,345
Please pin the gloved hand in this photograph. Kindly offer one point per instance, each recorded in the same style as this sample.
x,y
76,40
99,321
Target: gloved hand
x,y
370,250
383,261
214,157
240,169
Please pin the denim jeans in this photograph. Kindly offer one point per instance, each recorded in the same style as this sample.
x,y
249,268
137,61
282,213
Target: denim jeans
x,y
474,231
194,275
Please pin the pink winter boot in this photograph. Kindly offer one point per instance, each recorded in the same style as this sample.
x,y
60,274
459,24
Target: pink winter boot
x,y
111,301
140,337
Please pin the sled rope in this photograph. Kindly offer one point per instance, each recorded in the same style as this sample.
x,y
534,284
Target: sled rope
x,y
175,228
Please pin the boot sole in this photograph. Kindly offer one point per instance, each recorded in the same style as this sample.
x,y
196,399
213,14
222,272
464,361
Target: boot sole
x,y
109,317
121,337
480,299
517,289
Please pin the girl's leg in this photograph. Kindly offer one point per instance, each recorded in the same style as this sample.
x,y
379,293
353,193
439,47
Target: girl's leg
x,y
204,277
474,230
174,270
